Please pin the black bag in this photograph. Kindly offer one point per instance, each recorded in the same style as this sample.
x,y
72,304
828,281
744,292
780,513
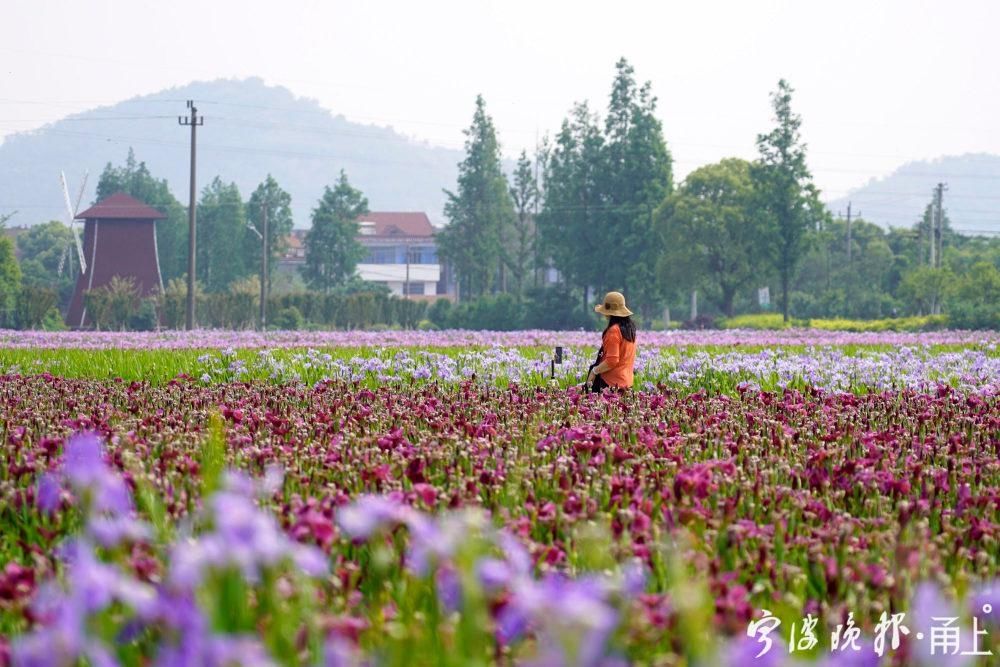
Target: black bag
x,y
598,385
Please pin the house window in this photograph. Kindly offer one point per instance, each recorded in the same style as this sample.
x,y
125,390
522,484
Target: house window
x,y
422,255
381,255
413,289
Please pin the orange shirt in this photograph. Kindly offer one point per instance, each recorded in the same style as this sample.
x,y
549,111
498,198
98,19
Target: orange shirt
x,y
619,356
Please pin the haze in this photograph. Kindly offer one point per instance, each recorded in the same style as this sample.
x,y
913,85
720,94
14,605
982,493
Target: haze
x,y
878,84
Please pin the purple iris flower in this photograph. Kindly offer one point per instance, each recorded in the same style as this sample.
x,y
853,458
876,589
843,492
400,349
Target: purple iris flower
x,y
243,537
368,515
338,652
515,553
49,493
572,619
742,652
985,604
83,463
449,589
223,651
633,578
92,586
493,573
84,468
111,531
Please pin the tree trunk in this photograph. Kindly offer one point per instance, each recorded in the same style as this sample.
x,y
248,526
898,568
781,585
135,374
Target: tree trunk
x,y
728,296
784,295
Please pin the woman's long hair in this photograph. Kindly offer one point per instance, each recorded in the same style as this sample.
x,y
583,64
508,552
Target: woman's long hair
x,y
625,324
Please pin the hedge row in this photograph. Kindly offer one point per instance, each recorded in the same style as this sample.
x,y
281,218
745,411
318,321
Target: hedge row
x,y
239,310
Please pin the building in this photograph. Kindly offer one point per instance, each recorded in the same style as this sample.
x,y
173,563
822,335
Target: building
x,y
119,239
402,254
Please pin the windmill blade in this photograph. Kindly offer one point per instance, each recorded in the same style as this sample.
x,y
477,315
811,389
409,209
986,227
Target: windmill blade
x,y
62,261
79,248
69,205
79,196
71,213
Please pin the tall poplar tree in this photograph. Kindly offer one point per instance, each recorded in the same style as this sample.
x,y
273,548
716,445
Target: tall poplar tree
x,y
602,186
331,244
569,224
637,178
480,212
278,203
221,228
788,200
524,193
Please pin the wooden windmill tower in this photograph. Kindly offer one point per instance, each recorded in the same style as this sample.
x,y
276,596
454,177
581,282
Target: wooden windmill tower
x,y
119,239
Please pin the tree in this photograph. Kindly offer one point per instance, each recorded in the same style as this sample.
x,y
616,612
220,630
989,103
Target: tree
x,y
787,197
978,298
710,231
480,212
926,289
524,194
602,187
331,244
10,277
278,203
172,233
221,229
573,207
44,248
636,179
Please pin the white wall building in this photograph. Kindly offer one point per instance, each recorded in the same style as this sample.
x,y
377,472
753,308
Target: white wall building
x,y
402,254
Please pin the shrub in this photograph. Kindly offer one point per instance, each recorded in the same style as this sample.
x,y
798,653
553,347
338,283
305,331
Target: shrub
x,y
964,315
289,319
440,312
923,323
32,305
556,308
53,321
146,317
700,322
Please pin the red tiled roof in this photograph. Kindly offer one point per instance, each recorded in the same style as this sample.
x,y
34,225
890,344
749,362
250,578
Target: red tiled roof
x,y
387,225
297,239
399,224
122,207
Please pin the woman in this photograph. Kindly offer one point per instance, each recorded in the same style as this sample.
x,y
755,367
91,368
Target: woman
x,y
617,355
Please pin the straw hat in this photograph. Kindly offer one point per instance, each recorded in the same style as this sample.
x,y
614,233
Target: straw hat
x,y
614,305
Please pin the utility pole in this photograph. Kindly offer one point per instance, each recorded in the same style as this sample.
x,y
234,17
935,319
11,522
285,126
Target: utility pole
x,y
194,121
848,236
932,233
938,222
263,269
406,284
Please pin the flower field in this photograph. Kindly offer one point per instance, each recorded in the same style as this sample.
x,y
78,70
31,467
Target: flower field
x,y
432,499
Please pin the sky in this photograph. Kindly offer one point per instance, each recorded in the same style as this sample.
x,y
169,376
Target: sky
x,y
878,84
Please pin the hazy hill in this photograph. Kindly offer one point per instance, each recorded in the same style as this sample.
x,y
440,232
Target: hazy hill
x,y
972,200
250,129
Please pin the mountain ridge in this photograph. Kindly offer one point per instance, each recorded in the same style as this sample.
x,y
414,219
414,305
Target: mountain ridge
x,y
304,144
971,201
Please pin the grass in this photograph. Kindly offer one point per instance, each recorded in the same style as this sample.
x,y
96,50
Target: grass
x,y
160,366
